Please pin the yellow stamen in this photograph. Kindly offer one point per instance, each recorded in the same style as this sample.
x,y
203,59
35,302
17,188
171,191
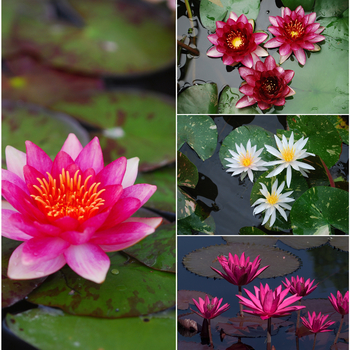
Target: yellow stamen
x,y
272,198
246,160
237,42
288,154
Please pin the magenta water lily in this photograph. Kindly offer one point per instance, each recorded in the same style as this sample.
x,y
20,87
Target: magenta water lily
x,y
295,32
210,309
317,323
235,41
299,286
71,210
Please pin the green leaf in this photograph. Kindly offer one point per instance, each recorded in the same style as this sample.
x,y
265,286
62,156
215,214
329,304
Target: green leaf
x,y
198,99
293,4
210,12
251,231
51,329
319,210
323,137
130,289
329,8
341,125
156,250
186,205
336,27
187,173
200,132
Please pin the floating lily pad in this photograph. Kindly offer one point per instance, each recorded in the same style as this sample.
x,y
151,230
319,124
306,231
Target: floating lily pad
x,y
130,289
200,132
341,125
20,123
184,298
187,175
270,241
198,99
304,242
186,205
112,41
336,27
211,11
341,243
157,250
328,8
319,210
47,328
281,262
293,4
323,137
14,290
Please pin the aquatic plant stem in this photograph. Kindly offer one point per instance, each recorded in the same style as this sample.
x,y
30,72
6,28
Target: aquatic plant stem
x,y
210,338
313,348
193,51
188,8
341,324
268,338
240,305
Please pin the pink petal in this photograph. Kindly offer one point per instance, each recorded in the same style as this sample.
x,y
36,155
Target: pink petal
x,y
18,271
285,50
259,51
7,228
276,31
233,16
111,195
72,146
140,191
244,71
243,19
263,105
37,158
245,102
272,43
317,39
248,61
307,46
62,161
88,261
228,60
153,222
38,250
311,17
289,74
259,37
78,237
131,172
67,223
273,21
15,161
14,179
219,25
247,89
213,52
213,38
280,102
91,157
270,63
31,176
300,56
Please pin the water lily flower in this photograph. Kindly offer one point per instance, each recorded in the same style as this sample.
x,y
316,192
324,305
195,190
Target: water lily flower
x,y
295,32
239,271
245,161
272,201
265,83
267,303
340,303
235,41
71,210
210,309
299,286
289,153
317,324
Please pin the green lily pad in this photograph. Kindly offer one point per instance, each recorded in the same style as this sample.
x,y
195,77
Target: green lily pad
x,y
20,123
270,241
281,262
187,172
339,242
341,125
111,42
323,137
136,124
336,27
293,4
198,99
200,132
130,289
157,250
319,210
251,231
164,178
211,11
186,205
47,328
329,8
304,242
14,290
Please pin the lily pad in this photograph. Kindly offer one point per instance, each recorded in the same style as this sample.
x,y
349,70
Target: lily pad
x,y
47,328
130,289
20,123
336,27
323,137
186,205
270,241
329,8
111,41
14,290
211,11
200,132
293,4
341,243
281,262
187,172
319,210
157,250
304,242
198,99
184,298
341,125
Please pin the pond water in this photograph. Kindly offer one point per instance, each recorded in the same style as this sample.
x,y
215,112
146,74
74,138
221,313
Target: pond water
x,y
324,263
226,197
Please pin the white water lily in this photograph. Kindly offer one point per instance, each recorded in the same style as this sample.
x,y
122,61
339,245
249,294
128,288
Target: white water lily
x,y
245,161
272,201
289,153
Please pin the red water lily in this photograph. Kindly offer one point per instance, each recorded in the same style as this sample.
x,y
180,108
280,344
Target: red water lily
x,y
295,32
299,286
265,84
317,324
71,210
210,309
340,303
235,41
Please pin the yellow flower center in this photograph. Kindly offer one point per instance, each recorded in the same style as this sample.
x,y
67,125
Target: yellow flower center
x,y
71,198
288,154
294,29
235,40
246,160
272,198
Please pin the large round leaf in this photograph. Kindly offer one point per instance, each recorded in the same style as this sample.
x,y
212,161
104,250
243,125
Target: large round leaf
x,y
51,329
118,37
336,27
187,173
219,10
329,8
130,289
341,125
186,205
200,132
319,210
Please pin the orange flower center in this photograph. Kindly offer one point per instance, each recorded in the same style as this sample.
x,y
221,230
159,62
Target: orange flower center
x,y
288,154
235,40
246,160
294,29
70,198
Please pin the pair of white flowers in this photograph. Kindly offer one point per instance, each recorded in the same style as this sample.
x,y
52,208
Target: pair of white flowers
x,y
247,160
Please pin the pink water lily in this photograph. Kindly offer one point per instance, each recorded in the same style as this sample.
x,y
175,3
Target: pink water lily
x,y
340,303
235,41
239,271
71,210
299,286
265,84
210,309
295,32
317,324
268,303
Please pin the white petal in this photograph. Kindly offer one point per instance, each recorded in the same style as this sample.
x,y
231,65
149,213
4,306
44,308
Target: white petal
x,y
131,172
289,176
15,161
